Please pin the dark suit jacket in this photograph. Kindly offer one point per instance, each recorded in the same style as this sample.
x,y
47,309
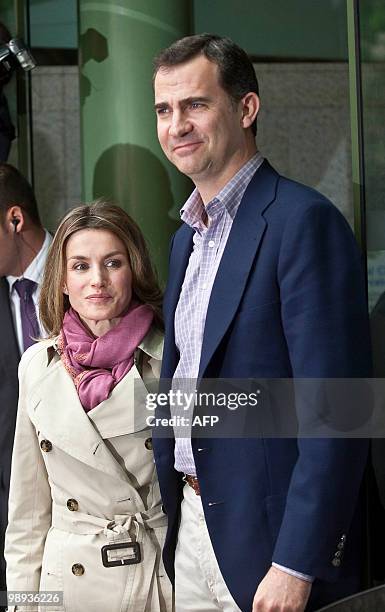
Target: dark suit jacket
x,y
9,386
288,301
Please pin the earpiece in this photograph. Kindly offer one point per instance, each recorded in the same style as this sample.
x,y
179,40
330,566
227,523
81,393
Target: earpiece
x,y
15,222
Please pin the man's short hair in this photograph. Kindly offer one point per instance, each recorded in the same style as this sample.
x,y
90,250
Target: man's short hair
x,y
236,73
16,191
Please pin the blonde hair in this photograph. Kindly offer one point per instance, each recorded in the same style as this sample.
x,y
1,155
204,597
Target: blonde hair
x,y
102,215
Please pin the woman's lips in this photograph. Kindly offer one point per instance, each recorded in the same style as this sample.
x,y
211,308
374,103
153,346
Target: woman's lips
x,y
98,298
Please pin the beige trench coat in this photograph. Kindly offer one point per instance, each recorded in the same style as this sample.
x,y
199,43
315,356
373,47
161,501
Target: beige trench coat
x,y
83,481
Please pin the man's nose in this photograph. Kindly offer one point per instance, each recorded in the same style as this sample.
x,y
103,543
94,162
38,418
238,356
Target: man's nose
x,y
180,125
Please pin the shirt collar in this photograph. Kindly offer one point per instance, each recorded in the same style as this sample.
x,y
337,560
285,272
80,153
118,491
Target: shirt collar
x,y
227,199
35,269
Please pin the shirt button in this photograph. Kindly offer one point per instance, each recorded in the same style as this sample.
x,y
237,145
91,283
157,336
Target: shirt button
x,y
211,243
148,444
72,505
78,569
46,446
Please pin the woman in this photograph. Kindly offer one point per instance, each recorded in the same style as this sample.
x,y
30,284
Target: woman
x,y
85,513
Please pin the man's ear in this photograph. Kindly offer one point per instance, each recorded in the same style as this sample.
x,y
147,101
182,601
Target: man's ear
x,y
250,107
15,219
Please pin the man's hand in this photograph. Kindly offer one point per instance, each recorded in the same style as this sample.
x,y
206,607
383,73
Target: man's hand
x,y
281,592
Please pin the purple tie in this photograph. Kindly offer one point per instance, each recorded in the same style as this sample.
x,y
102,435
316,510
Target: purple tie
x,y
29,323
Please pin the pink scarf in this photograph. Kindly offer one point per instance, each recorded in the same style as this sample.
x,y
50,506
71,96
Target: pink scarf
x,y
96,365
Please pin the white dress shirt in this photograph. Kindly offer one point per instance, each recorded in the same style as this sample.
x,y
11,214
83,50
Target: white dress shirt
x,y
33,272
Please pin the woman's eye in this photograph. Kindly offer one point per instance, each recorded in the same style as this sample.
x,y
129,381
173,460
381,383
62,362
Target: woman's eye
x,y
113,263
80,266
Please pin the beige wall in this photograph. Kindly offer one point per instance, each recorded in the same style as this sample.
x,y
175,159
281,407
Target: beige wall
x,y
304,126
56,140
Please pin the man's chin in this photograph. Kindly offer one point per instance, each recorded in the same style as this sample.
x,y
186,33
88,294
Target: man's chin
x,y
191,169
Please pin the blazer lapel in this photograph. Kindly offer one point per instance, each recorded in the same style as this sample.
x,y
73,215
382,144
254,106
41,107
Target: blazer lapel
x,y
240,251
59,415
181,250
8,333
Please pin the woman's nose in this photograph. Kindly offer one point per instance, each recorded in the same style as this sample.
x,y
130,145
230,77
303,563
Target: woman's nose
x,y
98,278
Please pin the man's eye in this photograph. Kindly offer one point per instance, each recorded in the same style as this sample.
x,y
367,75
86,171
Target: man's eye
x,y
113,263
162,111
196,105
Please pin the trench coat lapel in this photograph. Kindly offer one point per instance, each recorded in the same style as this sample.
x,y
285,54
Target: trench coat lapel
x,y
125,412
241,249
57,413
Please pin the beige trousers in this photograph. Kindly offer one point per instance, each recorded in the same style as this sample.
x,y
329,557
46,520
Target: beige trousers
x,y
199,585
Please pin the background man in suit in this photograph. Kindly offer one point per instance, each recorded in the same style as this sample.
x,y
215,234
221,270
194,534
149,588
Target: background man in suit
x,y
265,280
23,248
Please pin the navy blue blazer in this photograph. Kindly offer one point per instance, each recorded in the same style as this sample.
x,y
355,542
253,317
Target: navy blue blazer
x,y
288,301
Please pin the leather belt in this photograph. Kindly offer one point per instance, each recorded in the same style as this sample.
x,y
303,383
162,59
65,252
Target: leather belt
x,y
193,482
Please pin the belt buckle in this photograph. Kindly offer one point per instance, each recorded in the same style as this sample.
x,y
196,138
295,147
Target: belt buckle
x,y
134,556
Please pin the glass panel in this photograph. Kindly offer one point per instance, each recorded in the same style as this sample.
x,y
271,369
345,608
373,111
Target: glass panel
x,y
54,24
55,108
372,20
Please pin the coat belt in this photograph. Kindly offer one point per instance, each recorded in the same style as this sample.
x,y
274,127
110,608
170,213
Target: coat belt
x,y
87,524
121,528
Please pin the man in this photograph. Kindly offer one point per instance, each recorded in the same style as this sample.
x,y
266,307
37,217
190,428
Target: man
x,y
264,281
23,249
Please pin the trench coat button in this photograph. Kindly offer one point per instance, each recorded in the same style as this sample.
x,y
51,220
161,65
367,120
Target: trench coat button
x,y
46,446
336,562
163,509
72,505
78,569
148,444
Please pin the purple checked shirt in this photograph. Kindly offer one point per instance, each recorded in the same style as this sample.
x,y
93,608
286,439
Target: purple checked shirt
x,y
190,314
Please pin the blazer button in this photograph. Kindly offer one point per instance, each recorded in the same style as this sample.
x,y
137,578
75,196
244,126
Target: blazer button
x,y
148,444
78,569
336,562
72,505
46,446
